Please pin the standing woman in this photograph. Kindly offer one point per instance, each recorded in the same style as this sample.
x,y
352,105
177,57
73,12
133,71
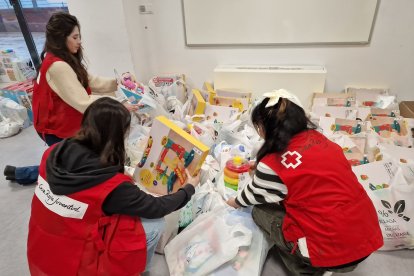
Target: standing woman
x,y
62,90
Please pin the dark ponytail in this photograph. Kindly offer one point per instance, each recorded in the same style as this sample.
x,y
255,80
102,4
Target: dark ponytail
x,y
279,123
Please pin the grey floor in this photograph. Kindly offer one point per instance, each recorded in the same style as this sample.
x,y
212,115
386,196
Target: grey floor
x,y
26,149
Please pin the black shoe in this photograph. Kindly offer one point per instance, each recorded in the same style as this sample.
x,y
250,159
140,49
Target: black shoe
x,y
10,178
9,172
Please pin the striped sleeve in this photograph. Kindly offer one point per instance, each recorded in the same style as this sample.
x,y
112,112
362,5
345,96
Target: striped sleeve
x,y
266,187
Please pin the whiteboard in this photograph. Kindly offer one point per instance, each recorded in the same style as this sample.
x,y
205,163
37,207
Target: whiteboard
x,y
267,22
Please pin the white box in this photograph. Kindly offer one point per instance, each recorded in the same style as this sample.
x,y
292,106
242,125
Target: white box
x,y
303,81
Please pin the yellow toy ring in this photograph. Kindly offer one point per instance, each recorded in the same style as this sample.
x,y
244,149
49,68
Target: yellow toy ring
x,y
231,181
231,174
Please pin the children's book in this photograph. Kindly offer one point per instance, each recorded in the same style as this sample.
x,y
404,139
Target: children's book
x,y
170,150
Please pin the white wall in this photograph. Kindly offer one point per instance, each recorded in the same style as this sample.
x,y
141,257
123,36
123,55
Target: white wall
x,y
157,43
104,35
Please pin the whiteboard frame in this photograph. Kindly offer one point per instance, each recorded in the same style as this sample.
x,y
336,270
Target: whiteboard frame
x,y
365,42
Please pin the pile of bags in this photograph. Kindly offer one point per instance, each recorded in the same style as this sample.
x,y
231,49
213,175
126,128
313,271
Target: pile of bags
x,y
216,240
378,143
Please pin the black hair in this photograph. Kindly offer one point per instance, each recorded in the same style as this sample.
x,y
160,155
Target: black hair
x,y
104,127
58,28
279,123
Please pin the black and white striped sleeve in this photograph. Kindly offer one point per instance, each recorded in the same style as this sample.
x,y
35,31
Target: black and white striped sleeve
x,y
266,187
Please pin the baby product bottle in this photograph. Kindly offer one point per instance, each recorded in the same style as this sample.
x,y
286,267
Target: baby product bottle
x,y
234,167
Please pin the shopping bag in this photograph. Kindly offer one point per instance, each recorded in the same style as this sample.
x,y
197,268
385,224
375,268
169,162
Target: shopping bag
x,y
206,244
393,199
249,260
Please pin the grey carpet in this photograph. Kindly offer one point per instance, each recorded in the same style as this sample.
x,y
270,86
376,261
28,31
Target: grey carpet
x,y
26,148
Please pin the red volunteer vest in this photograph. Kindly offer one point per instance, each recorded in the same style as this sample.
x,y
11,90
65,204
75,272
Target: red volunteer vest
x,y
325,203
70,235
51,114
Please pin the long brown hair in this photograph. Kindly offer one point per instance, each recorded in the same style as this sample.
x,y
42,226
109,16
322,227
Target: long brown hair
x,y
104,127
58,28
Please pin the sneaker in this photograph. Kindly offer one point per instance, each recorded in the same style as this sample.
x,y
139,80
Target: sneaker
x,y
9,172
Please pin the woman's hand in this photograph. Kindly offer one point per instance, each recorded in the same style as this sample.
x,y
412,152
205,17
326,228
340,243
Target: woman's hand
x,y
232,202
253,165
193,180
131,107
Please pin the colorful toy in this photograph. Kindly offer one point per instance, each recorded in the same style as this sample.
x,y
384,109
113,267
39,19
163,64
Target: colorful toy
x,y
234,167
129,81
356,162
378,187
176,165
146,152
170,151
388,127
346,128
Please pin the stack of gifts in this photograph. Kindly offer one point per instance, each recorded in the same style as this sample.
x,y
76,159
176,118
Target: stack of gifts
x,y
359,120
16,102
13,69
218,105
377,142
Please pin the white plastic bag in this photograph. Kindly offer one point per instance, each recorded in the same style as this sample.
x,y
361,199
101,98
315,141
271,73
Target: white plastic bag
x,y
171,88
136,143
8,127
209,169
206,199
249,260
393,199
14,111
170,231
206,244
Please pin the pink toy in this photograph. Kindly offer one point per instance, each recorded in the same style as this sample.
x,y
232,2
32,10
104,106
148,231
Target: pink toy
x,y
129,81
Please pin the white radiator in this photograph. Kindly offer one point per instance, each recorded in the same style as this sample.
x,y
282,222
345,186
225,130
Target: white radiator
x,y
303,81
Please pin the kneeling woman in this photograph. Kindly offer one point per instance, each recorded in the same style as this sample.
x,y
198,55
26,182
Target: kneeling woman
x,y
308,200
87,217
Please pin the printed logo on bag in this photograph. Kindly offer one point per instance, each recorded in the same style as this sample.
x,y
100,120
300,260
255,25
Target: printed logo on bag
x,y
396,232
61,205
398,209
291,159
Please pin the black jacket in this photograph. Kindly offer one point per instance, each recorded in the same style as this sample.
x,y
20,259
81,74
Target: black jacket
x,y
72,167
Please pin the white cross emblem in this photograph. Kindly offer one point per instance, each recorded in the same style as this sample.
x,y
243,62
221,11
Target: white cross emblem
x,y
293,161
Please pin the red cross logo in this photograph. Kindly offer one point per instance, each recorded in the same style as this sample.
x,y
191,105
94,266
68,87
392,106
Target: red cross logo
x,y
291,159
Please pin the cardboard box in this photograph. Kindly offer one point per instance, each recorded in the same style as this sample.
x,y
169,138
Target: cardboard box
x,y
170,150
335,112
241,103
220,114
333,99
407,109
197,105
